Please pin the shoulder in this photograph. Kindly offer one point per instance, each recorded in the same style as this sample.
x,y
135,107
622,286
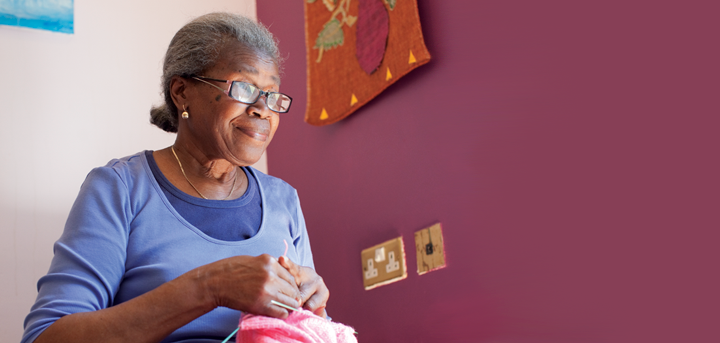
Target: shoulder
x,y
276,191
268,182
121,175
126,168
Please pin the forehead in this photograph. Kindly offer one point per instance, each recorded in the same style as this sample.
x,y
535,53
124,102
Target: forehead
x,y
236,58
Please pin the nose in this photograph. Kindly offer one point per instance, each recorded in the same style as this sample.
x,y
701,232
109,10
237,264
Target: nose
x,y
260,108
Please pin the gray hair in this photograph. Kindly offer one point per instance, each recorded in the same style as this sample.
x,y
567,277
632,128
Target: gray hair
x,y
196,48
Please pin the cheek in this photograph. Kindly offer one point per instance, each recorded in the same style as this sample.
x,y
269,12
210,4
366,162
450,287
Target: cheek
x,y
274,125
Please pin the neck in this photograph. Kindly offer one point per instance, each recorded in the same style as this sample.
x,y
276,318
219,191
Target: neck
x,y
210,179
201,165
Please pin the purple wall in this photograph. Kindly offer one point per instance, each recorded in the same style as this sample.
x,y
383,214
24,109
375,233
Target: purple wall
x,y
571,155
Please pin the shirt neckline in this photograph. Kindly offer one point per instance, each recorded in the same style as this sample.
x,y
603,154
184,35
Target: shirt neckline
x,y
168,205
209,203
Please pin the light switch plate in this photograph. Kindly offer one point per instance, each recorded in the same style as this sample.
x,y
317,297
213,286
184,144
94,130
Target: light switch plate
x,y
430,249
384,263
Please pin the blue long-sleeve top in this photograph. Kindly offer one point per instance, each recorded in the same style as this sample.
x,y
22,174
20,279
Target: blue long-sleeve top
x,y
123,238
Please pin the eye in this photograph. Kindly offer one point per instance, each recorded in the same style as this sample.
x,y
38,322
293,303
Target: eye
x,y
244,91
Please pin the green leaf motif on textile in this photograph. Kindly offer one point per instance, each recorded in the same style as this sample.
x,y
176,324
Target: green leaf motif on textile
x,y
390,3
330,36
332,33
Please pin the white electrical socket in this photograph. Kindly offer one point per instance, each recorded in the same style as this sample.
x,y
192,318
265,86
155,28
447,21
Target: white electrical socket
x,y
371,271
384,263
392,265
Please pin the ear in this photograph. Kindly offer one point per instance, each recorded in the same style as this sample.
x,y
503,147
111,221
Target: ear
x,y
179,87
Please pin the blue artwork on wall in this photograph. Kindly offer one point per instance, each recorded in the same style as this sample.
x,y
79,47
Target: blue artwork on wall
x,y
52,15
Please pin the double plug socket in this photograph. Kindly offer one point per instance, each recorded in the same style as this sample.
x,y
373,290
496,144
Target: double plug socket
x,y
384,263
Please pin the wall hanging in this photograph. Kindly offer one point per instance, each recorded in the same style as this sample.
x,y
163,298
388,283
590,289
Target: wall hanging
x,y
51,15
356,49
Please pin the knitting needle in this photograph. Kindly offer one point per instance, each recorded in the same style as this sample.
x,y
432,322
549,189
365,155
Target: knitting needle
x,y
272,302
283,305
228,337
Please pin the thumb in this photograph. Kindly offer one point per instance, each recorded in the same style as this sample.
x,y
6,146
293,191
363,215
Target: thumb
x,y
290,266
296,271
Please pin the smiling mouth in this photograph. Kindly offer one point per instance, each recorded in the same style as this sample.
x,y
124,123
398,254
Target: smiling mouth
x,y
261,136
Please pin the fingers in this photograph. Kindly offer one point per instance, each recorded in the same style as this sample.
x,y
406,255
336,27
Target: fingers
x,y
249,284
318,299
313,292
277,311
321,313
290,266
284,289
297,273
285,282
287,271
278,285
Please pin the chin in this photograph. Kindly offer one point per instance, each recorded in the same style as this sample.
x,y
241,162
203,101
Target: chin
x,y
247,159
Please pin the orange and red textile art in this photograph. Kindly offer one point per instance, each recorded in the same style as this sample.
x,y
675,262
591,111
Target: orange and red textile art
x,y
356,49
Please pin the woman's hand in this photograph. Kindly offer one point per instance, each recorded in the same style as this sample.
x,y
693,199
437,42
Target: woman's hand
x,y
243,283
313,292
249,283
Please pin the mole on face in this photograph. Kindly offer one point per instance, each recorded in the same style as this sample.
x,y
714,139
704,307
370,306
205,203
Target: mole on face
x,y
217,98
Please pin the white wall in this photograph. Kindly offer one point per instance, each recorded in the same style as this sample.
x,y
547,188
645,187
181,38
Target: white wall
x,y
69,103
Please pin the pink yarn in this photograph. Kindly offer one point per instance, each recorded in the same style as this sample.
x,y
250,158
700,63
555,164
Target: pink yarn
x,y
300,327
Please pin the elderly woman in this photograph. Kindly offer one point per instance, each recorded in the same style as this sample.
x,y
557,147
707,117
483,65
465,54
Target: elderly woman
x,y
171,245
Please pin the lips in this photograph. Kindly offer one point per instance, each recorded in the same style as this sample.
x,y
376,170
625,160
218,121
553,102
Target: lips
x,y
260,134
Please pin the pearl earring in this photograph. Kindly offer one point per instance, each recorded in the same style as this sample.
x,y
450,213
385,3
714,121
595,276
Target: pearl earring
x,y
185,114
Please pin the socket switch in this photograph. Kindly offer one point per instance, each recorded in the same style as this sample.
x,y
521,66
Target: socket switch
x,y
430,249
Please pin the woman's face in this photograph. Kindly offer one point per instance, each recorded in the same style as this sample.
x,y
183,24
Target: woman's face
x,y
224,128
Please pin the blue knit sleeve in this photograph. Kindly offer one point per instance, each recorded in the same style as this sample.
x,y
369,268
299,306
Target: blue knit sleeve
x,y
89,260
301,239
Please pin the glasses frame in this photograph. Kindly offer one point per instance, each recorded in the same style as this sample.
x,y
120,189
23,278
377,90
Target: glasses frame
x,y
232,84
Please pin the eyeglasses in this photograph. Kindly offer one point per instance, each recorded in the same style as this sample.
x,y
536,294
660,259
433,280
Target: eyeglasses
x,y
249,94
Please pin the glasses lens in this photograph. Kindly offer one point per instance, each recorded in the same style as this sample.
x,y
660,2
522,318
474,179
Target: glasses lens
x,y
244,92
278,102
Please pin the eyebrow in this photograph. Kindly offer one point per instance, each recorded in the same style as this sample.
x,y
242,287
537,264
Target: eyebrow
x,y
252,70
